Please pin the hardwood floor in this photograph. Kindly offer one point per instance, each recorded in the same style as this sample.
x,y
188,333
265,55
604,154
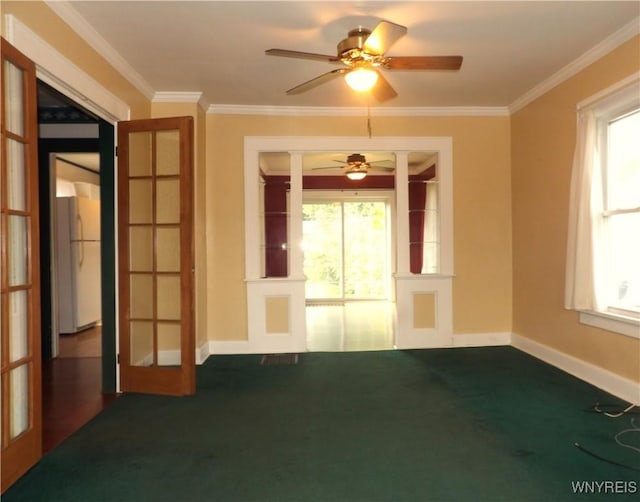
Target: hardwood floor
x,y
71,388
350,326
87,343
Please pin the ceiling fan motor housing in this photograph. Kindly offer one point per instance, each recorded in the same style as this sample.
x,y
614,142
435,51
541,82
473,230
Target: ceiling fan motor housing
x,y
356,159
350,50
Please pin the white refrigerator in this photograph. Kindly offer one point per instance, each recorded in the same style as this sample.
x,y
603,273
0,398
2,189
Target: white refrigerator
x,y
78,259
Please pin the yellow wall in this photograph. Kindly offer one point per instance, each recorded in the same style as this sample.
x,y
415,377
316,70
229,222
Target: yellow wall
x,y
199,121
499,162
43,21
543,139
482,211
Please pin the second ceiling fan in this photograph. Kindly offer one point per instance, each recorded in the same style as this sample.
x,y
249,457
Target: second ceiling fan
x,y
362,55
356,166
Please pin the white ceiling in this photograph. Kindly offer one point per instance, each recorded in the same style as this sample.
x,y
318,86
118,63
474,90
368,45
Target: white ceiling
x,y
217,48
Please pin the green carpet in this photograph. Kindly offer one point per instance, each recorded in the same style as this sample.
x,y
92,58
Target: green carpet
x,y
484,424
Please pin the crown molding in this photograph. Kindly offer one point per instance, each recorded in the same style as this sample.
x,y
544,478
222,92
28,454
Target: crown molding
x,y
79,24
180,97
55,69
598,51
334,111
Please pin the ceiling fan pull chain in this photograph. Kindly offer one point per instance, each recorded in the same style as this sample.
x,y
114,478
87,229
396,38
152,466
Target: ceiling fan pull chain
x,y
369,119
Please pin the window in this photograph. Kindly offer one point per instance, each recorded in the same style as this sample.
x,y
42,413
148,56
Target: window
x,y
346,242
603,268
621,213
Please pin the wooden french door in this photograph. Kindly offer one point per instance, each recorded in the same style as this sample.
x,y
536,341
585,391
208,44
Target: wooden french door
x,y
20,373
155,247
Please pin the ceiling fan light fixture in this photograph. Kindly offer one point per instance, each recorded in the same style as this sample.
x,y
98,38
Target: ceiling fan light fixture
x,y
356,174
361,79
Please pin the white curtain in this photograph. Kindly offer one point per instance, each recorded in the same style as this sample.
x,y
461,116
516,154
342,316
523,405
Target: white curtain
x,y
585,219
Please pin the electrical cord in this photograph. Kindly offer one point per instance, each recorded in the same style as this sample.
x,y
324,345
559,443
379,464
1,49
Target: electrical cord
x,y
613,415
634,428
617,439
612,462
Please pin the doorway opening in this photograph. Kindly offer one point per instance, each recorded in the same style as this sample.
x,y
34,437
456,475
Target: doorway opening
x,y
281,172
76,291
74,147
347,262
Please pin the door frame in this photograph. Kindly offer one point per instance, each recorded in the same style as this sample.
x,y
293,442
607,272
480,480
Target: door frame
x,y
104,145
413,291
46,147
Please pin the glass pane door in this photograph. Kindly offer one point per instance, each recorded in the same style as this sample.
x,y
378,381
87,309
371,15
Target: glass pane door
x,y
156,257
20,373
322,236
366,250
346,250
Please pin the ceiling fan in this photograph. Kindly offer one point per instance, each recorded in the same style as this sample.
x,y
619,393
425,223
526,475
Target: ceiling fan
x,y
357,166
362,55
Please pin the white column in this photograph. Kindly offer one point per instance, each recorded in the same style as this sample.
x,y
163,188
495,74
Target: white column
x,y
296,256
402,213
251,213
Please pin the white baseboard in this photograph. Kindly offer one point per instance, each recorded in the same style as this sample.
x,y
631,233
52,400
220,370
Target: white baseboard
x,y
621,387
462,340
481,339
625,389
172,357
169,357
147,360
229,347
202,352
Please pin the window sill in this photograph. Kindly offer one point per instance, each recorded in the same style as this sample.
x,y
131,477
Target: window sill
x,y
624,325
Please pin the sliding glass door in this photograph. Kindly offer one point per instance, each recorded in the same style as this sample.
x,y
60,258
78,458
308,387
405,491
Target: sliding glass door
x,y
346,249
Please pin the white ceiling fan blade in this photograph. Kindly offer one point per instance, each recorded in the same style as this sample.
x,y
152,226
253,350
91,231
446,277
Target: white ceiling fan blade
x,y
382,90
383,36
315,82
